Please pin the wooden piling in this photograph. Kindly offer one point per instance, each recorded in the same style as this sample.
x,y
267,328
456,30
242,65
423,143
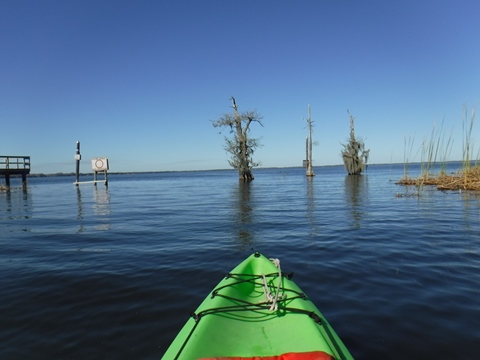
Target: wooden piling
x,y
78,157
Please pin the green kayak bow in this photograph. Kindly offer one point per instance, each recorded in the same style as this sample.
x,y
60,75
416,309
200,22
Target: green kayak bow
x,y
257,312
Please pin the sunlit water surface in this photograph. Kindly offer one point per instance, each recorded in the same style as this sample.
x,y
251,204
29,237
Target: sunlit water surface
x,y
113,273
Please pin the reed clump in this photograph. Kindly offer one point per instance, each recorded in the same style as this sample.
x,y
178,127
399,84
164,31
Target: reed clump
x,y
464,179
467,178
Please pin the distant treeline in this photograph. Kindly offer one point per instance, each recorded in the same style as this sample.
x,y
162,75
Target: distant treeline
x,y
118,173
51,175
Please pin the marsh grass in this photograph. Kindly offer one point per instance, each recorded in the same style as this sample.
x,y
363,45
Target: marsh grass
x,y
436,151
3,187
407,154
462,180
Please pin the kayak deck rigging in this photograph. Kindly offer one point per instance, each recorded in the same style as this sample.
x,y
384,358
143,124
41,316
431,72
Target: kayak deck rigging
x,y
254,313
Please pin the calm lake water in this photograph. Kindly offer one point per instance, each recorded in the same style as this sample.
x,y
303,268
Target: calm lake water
x,y
113,273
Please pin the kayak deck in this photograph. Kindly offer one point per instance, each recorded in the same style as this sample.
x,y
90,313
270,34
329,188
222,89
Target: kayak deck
x,y
255,311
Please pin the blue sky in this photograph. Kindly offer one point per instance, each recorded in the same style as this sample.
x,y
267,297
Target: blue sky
x,y
139,82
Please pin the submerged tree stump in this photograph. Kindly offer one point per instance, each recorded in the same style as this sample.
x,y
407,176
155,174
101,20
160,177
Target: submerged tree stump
x,y
354,155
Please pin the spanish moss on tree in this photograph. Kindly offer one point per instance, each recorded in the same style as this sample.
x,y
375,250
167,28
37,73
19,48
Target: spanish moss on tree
x,y
354,155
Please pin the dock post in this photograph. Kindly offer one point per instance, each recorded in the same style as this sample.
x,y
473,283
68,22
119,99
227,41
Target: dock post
x,y
78,157
24,181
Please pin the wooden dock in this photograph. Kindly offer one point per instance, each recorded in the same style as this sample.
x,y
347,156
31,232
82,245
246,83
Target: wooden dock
x,y
15,165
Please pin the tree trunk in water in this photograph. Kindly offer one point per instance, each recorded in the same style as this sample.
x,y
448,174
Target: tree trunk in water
x,y
246,175
244,170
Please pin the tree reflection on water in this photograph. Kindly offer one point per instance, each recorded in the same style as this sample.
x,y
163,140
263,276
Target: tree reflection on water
x,y
313,228
355,192
243,215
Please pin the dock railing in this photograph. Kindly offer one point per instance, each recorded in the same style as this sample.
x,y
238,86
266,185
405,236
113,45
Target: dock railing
x,y
15,163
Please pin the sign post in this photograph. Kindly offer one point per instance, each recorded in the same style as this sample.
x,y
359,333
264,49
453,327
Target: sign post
x,y
99,165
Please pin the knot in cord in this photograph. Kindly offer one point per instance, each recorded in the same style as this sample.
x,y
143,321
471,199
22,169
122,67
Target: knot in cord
x,y
269,297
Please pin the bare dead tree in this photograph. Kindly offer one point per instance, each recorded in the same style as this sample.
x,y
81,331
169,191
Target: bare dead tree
x,y
309,143
354,155
240,145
